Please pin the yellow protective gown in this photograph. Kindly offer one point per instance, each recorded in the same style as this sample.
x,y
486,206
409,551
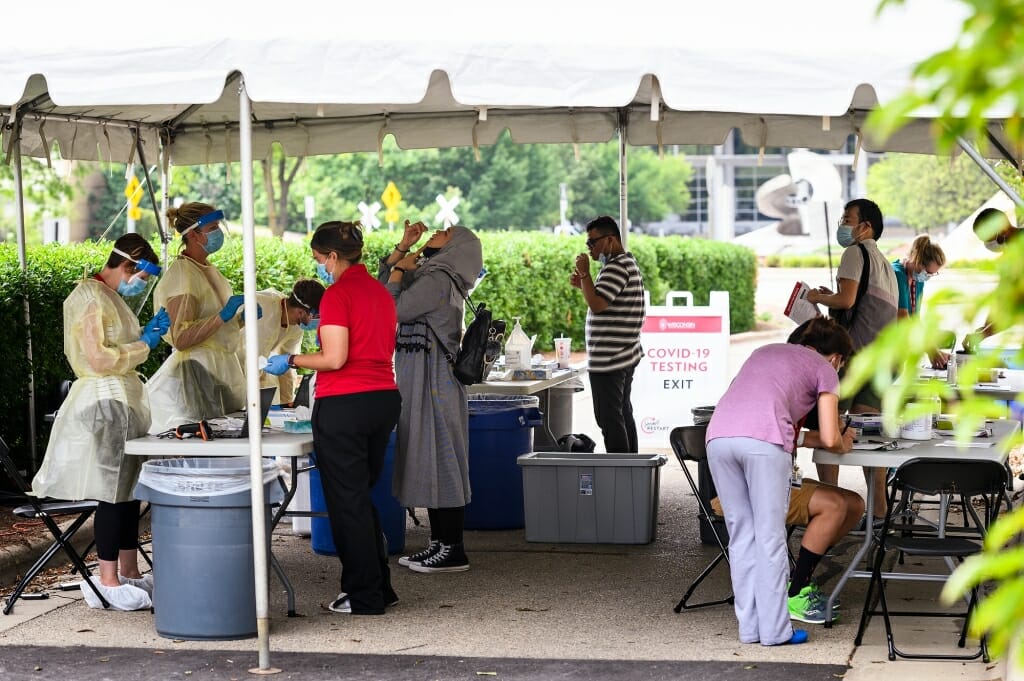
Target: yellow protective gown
x,y
107,403
274,340
202,378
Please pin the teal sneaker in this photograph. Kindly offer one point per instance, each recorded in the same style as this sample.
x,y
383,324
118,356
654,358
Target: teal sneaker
x,y
824,597
807,606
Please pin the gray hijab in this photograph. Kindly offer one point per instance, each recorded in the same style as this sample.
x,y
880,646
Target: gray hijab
x,y
461,257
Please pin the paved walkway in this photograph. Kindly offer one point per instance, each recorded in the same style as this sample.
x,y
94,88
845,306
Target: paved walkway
x,y
524,611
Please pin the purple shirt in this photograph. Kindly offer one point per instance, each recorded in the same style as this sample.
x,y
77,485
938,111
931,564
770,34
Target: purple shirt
x,y
775,388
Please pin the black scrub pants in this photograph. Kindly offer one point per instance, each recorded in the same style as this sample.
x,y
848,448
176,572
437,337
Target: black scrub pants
x,y
613,409
350,438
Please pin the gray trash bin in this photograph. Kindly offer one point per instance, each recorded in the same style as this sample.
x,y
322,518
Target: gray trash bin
x,y
203,575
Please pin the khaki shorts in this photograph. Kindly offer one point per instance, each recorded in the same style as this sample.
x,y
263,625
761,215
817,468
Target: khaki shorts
x,y
799,502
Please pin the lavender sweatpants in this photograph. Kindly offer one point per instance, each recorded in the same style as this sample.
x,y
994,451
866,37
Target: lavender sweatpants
x,y
752,479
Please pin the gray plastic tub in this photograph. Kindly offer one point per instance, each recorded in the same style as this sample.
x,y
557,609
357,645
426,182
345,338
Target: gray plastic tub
x,y
203,575
591,498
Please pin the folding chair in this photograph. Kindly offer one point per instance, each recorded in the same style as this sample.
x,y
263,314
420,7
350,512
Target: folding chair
x,y
946,478
47,510
688,445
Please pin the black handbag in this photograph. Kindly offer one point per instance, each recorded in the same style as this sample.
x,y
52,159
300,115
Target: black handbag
x,y
480,346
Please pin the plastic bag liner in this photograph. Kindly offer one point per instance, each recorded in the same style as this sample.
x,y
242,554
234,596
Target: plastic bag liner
x,y
491,403
702,415
198,476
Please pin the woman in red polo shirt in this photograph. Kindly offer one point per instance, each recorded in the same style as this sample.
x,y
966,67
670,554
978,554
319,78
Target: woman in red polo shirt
x,y
357,407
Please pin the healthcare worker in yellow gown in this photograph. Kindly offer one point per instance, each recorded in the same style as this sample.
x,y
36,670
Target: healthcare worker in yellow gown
x,y
106,405
202,378
285,317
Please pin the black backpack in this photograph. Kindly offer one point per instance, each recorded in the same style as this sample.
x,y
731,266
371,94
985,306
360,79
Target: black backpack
x,y
481,344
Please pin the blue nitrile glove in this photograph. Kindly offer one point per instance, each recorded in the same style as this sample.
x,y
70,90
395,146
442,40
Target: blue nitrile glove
x,y
276,365
151,338
259,313
160,322
231,307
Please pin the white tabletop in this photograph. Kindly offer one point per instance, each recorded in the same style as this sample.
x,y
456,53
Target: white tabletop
x,y
275,443
1001,429
525,387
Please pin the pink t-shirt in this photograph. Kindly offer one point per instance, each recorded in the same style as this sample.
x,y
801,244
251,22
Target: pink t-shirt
x,y
775,388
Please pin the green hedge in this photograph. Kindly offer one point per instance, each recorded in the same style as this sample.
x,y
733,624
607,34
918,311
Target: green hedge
x,y
527,276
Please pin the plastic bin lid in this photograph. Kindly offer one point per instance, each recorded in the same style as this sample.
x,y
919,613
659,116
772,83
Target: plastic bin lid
x,y
490,403
709,409
591,460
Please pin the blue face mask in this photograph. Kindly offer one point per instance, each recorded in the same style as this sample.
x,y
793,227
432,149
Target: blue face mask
x,y
214,240
325,276
920,277
603,258
844,235
311,325
132,287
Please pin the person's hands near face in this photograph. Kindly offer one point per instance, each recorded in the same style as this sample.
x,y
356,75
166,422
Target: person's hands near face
x,y
575,280
412,234
582,265
408,263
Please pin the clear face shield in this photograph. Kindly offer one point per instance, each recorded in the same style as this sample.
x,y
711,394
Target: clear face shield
x,y
139,287
216,229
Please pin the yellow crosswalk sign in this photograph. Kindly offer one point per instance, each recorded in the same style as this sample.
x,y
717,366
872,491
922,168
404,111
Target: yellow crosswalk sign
x,y
391,215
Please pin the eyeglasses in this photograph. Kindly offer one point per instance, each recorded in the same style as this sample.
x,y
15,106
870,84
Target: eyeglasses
x,y
592,242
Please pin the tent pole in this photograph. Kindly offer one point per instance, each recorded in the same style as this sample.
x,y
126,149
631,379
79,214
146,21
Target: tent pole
x,y
260,540
990,171
623,181
19,204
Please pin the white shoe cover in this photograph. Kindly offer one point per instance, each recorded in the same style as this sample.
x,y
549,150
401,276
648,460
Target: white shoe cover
x,y
124,597
145,582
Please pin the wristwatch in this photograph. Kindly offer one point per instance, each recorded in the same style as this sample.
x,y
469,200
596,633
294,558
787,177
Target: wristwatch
x,y
291,361
399,269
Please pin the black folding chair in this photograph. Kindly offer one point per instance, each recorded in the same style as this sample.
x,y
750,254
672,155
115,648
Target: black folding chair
x,y
944,478
47,510
688,445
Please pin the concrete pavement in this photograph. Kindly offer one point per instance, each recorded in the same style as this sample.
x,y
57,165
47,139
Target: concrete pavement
x,y
524,610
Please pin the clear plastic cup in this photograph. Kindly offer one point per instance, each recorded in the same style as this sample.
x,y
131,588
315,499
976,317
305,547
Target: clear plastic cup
x,y
562,348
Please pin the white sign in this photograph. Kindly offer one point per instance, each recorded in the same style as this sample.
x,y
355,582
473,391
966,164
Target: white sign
x,y
56,230
685,364
368,215
447,213
310,208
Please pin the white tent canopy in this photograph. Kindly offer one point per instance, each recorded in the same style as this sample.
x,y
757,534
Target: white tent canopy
x,y
338,78
198,82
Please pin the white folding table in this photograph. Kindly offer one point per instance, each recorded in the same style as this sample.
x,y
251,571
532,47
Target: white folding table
x,y
893,458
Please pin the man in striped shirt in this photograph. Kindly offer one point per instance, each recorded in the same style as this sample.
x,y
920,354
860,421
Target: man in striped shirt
x,y
615,314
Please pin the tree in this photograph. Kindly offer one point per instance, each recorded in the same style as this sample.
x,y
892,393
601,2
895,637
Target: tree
x,y
928,192
276,168
46,193
964,83
656,186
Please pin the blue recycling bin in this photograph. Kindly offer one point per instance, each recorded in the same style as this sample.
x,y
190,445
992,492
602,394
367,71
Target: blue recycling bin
x,y
392,515
500,430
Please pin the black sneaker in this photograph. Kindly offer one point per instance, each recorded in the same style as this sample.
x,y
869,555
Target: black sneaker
x,y
448,558
431,549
